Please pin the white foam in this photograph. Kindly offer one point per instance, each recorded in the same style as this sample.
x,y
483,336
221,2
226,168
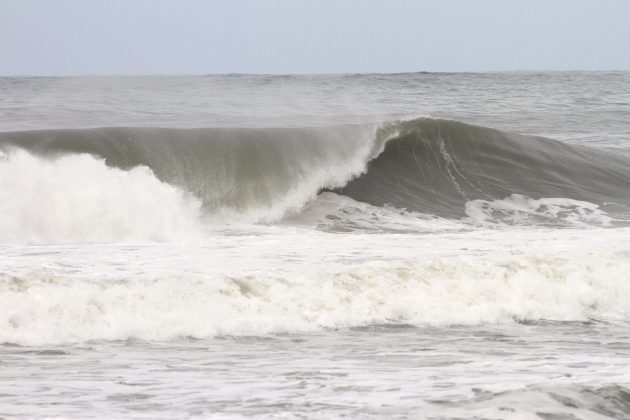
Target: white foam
x,y
338,213
520,210
47,309
77,198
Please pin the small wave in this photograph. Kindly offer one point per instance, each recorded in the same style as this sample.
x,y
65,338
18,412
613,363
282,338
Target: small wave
x,y
558,401
520,210
337,213
48,309
332,212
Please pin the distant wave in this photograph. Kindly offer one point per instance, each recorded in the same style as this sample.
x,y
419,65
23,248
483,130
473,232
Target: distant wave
x,y
435,167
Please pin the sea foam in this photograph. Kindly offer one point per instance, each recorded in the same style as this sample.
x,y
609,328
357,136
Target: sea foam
x,y
77,198
53,309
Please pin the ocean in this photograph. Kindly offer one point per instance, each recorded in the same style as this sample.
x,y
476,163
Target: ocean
x,y
418,245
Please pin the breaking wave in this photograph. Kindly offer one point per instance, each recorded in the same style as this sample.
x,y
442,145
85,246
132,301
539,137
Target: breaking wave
x,y
437,166
77,198
43,308
117,184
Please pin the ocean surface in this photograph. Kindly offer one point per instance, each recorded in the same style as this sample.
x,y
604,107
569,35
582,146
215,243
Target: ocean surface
x,y
421,245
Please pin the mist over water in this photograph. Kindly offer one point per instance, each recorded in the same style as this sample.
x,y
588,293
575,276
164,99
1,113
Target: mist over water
x,y
588,108
238,226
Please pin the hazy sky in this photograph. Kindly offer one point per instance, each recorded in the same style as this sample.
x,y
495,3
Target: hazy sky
x,y
59,37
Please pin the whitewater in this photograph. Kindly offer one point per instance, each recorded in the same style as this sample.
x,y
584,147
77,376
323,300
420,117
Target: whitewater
x,y
425,245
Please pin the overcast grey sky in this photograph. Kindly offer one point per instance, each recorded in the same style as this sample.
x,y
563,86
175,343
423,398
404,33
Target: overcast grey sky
x,y
61,37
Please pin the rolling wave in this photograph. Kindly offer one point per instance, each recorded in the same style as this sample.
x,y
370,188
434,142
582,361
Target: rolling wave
x,y
242,175
437,166
441,168
40,308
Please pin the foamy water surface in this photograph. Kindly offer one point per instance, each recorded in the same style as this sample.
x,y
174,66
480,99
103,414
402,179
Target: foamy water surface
x,y
317,250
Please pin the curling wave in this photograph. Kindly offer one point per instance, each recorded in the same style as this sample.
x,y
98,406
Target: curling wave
x,y
435,167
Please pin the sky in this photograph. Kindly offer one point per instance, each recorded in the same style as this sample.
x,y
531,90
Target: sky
x,y
99,37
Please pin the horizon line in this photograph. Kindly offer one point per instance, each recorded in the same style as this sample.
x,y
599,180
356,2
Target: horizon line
x,y
281,74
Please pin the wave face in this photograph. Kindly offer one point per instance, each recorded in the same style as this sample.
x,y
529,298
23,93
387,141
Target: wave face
x,y
239,174
425,166
437,166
